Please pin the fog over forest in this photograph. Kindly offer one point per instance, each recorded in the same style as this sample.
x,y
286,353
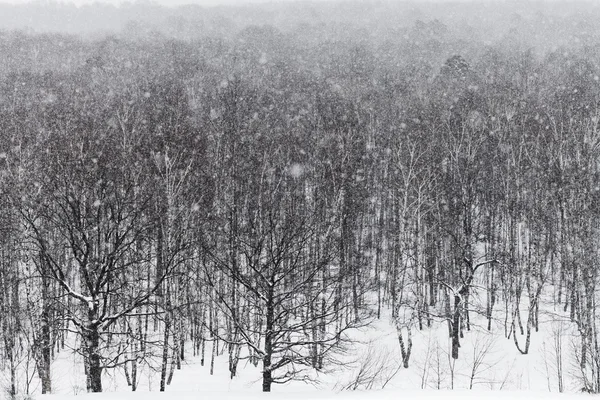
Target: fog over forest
x,y
335,195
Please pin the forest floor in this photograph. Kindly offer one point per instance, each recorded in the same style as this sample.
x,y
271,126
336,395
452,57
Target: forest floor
x,y
488,362
372,395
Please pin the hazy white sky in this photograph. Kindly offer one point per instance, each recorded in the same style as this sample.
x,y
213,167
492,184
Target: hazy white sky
x,y
164,2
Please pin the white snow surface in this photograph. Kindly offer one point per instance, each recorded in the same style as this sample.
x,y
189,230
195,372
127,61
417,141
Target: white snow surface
x,y
371,395
503,373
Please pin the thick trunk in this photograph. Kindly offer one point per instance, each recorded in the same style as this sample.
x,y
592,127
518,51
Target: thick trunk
x,y
234,358
13,377
159,259
405,351
573,291
527,338
174,361
378,250
45,379
46,355
126,372
9,355
43,343
94,365
267,372
491,299
467,316
165,355
323,329
181,352
267,379
134,369
456,328
214,338
202,338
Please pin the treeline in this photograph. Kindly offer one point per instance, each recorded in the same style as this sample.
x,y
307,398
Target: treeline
x,y
264,195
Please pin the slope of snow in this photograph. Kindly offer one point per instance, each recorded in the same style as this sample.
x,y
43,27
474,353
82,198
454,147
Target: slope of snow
x,y
488,362
372,395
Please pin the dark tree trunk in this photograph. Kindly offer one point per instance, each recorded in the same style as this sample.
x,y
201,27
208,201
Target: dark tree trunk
x,y
404,350
45,343
267,372
160,266
134,369
456,327
94,365
165,355
267,378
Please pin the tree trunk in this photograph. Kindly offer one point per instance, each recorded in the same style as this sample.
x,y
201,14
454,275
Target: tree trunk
x,y
159,257
267,376
267,372
94,366
174,361
404,350
134,369
43,365
456,327
165,354
378,250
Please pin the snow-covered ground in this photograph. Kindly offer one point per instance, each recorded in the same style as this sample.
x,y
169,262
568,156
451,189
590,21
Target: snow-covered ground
x,y
490,364
371,395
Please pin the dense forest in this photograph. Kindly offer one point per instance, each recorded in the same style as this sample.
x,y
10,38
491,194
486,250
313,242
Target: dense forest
x,y
260,181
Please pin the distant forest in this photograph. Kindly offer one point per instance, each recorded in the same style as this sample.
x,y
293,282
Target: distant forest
x,y
259,181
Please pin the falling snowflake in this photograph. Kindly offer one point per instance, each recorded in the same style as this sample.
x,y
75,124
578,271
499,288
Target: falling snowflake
x,y
263,59
296,170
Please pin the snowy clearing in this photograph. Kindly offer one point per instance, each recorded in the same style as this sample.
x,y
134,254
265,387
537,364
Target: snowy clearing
x,y
372,395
